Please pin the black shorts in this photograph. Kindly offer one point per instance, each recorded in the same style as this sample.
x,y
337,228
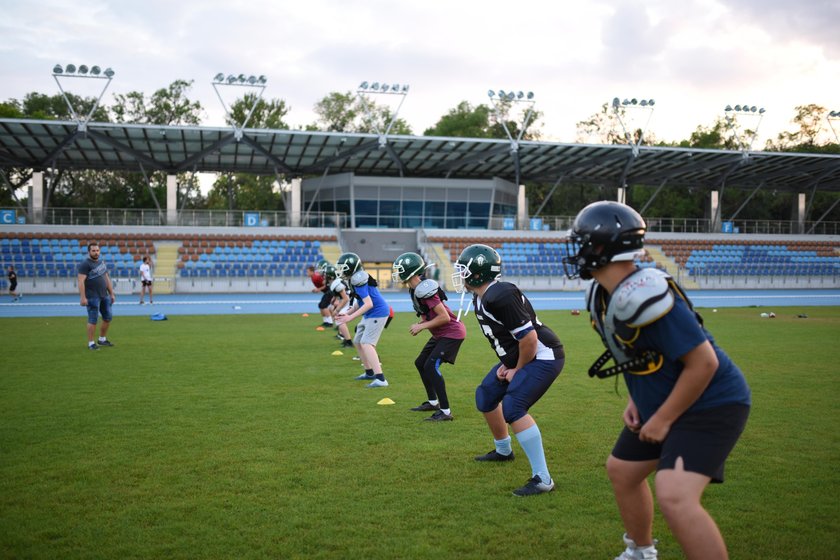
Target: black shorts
x,y
326,298
13,286
703,439
146,282
445,349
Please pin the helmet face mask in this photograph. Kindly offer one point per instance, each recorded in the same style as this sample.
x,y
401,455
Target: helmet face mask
x,y
406,266
329,273
347,265
477,265
603,232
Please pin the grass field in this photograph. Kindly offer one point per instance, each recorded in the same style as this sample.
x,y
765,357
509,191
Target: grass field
x,y
243,437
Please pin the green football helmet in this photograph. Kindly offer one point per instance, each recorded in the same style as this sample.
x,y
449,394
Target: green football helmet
x,y
348,264
406,266
477,265
329,273
322,265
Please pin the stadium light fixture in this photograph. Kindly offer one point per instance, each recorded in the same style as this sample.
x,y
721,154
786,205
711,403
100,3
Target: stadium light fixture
x,y
620,108
834,116
744,111
502,102
239,80
86,72
379,88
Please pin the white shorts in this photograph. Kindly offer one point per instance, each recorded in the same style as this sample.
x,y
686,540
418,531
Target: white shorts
x,y
369,330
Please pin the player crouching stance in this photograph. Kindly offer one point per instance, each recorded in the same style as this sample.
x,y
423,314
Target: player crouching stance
x,y
340,296
531,357
688,402
374,312
447,332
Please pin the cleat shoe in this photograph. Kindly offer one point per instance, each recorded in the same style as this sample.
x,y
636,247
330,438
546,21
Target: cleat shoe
x,y
534,486
347,344
439,416
93,347
358,359
365,377
426,407
377,383
105,343
635,552
495,456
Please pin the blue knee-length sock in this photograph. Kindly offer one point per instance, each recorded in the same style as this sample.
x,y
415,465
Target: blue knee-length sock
x,y
531,442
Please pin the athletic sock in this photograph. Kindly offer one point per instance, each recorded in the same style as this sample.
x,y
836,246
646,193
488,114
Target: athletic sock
x,y
503,446
102,339
91,343
433,402
369,372
531,442
380,376
446,410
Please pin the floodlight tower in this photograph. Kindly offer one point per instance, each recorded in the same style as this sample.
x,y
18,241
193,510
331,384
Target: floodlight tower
x,y
834,116
381,88
644,107
82,71
751,112
240,80
499,99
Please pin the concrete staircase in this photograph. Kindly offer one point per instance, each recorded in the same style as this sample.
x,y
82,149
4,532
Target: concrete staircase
x,y
671,267
331,252
166,266
441,257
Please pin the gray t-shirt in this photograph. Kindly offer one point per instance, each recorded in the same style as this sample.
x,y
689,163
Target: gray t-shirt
x,y
94,270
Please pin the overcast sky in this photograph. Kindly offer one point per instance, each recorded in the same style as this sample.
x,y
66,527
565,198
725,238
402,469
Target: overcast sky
x,y
692,56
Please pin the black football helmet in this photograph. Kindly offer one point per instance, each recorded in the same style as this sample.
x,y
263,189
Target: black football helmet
x,y
477,265
603,232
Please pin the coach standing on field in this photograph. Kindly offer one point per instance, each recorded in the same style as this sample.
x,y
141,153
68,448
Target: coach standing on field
x,y
97,294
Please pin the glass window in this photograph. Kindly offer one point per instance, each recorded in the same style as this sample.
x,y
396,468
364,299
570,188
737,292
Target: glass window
x,y
389,213
434,214
366,212
456,215
412,212
478,214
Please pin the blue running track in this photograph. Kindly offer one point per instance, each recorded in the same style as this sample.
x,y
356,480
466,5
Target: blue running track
x,y
236,304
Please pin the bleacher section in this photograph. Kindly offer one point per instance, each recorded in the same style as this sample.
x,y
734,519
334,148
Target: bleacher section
x,y
716,258
57,256
247,258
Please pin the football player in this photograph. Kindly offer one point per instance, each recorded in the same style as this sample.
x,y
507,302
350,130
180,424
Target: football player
x,y
447,333
339,303
530,359
374,312
688,402
316,275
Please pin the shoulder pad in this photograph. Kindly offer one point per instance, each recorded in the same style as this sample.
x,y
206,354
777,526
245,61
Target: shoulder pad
x,y
335,284
360,278
426,289
643,297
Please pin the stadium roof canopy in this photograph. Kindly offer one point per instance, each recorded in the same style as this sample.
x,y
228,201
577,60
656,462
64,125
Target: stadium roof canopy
x,y
173,149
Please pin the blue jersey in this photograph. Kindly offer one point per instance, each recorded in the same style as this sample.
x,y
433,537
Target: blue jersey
x,y
380,307
674,335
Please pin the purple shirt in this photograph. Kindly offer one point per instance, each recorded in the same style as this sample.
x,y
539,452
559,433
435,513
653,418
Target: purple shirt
x,y
452,329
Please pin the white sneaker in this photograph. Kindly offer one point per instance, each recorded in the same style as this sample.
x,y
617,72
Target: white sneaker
x,y
634,552
377,383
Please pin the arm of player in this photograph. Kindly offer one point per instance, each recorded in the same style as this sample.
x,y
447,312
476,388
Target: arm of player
x,y
438,320
367,304
527,353
701,363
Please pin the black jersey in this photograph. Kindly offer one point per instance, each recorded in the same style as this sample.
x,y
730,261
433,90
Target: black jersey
x,y
505,315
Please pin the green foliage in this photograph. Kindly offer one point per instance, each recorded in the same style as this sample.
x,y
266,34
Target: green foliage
x,y
166,106
245,192
347,112
266,114
466,121
243,437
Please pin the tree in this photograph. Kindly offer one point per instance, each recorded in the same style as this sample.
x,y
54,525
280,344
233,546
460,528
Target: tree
x,y
266,114
167,106
346,112
482,121
809,118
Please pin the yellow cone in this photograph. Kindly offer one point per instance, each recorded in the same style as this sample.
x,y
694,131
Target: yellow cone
x,y
386,400
338,353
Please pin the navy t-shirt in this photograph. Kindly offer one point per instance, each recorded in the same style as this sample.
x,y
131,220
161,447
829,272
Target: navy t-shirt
x,y
94,271
674,336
